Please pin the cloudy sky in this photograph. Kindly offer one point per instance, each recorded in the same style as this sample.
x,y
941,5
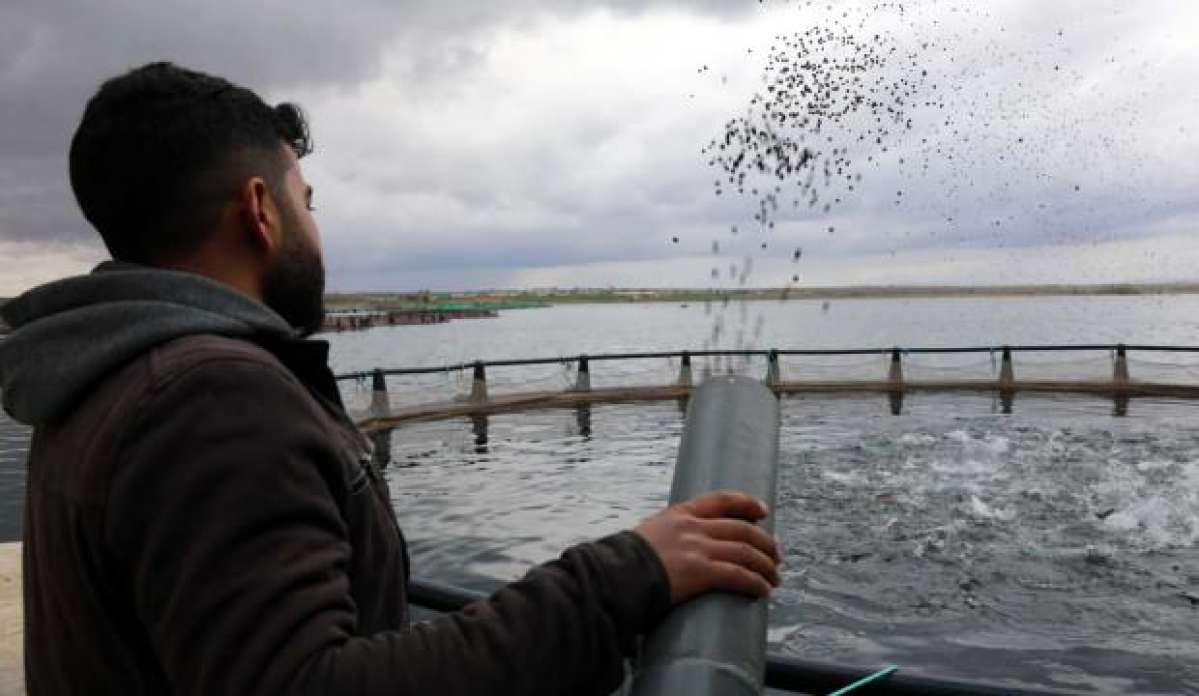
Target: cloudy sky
x,y
532,143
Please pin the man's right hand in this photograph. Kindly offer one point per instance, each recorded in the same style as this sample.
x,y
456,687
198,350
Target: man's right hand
x,y
711,543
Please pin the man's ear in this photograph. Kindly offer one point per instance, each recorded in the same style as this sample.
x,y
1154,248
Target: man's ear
x,y
260,215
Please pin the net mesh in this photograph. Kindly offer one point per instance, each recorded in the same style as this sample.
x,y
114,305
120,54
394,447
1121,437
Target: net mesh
x,y
455,384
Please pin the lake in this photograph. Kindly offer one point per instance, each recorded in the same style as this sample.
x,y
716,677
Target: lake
x,y
1053,546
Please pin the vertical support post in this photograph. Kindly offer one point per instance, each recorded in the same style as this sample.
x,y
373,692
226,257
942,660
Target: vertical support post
x,y
895,374
1007,375
1007,382
479,428
773,374
381,448
1120,373
583,381
685,370
380,402
583,420
478,386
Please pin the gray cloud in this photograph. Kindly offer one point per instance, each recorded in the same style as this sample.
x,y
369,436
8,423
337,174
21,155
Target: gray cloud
x,y
54,54
1024,135
448,139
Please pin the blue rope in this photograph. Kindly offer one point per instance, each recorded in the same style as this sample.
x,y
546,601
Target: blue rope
x,y
863,682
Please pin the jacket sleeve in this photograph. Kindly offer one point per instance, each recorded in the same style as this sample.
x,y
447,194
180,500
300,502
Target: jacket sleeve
x,y
223,514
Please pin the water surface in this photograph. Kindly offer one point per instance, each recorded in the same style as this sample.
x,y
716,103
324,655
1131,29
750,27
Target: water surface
x,y
1054,546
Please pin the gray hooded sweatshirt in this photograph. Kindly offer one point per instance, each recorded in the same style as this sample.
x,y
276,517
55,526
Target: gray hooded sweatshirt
x,y
69,334
206,520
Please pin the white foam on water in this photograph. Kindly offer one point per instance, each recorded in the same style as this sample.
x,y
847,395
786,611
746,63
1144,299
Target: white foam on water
x,y
969,468
1154,515
993,445
917,439
854,479
982,458
1154,465
781,634
980,510
1005,641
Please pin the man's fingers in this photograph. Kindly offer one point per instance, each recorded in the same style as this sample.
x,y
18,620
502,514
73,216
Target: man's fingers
x,y
740,530
735,578
747,557
726,504
711,543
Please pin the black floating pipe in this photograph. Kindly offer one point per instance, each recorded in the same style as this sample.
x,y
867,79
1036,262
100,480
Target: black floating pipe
x,y
782,673
716,643
812,677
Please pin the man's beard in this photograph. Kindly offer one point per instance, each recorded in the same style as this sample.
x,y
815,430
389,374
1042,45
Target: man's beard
x,y
294,285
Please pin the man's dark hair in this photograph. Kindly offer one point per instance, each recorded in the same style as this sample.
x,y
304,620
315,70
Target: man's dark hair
x,y
161,148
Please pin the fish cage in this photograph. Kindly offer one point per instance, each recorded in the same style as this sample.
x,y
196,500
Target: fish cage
x,y
382,399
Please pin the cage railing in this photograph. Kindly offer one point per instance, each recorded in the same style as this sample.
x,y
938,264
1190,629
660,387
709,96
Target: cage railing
x,y
579,386
681,354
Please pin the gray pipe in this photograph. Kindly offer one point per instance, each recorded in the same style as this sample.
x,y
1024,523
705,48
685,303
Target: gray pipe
x,y
716,643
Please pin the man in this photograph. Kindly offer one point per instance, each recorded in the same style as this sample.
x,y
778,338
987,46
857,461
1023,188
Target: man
x,y
202,517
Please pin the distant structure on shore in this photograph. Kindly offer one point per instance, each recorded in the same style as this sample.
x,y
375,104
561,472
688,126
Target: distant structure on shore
x,y
357,320
544,297
355,311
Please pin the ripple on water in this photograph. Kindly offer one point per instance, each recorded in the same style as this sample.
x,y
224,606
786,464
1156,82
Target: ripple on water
x,y
1053,547
14,443
1050,547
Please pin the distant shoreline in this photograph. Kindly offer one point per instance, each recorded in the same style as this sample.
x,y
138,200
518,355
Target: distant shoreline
x,y
531,299
535,298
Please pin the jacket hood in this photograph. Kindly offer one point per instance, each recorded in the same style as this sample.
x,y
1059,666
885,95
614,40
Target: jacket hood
x,y
69,334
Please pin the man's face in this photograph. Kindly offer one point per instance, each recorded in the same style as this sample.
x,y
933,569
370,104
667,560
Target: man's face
x,y
294,283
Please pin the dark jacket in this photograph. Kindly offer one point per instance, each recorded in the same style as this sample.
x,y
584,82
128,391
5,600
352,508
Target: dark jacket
x,y
203,518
